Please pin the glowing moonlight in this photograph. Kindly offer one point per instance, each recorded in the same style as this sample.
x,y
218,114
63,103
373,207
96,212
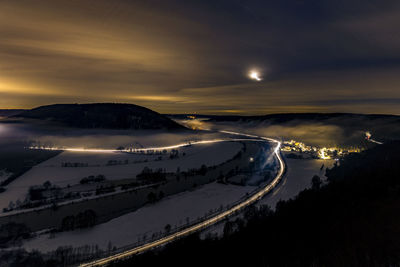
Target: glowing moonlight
x,y
255,75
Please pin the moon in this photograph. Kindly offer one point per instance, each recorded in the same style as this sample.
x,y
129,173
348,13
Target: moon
x,y
255,75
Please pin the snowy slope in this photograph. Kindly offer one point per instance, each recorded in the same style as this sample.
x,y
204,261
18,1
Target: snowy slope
x,y
150,219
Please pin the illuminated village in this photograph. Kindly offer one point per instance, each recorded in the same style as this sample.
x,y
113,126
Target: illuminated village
x,y
317,152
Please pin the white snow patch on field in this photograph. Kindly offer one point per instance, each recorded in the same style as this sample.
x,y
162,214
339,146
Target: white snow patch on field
x,y
51,170
127,229
298,177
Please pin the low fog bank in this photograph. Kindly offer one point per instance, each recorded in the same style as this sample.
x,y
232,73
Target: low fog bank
x,y
23,133
344,130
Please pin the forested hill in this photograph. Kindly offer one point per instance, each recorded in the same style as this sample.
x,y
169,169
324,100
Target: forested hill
x,y
101,115
352,221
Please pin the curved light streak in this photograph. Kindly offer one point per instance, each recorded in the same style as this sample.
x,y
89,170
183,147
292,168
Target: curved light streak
x,y
139,150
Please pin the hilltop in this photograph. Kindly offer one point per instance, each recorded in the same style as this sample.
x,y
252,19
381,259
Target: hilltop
x,y
99,115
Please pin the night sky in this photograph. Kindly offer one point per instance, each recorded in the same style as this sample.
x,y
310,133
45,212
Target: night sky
x,y
194,56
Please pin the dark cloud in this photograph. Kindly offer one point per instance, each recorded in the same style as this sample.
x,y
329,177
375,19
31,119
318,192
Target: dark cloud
x,y
193,56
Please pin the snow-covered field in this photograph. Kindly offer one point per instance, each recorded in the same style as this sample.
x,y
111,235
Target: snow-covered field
x,y
152,218
298,177
174,210
51,170
4,174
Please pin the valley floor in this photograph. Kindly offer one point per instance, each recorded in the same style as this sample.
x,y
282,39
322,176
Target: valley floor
x,y
152,218
51,170
174,210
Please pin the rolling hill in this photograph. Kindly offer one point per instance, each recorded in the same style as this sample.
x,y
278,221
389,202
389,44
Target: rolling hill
x,y
99,115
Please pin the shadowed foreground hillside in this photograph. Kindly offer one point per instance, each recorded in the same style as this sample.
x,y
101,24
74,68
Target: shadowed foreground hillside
x,y
102,115
353,221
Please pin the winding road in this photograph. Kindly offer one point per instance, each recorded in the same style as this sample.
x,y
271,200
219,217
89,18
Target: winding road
x,y
207,222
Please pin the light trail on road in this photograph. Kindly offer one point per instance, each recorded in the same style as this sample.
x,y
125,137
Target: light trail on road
x,y
140,150
201,225
374,141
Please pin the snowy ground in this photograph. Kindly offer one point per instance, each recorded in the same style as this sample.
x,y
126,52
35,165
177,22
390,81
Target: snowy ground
x,y
51,170
173,210
4,174
150,219
297,178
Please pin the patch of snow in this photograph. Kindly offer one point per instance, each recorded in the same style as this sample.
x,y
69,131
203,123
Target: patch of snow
x,y
298,177
152,218
51,170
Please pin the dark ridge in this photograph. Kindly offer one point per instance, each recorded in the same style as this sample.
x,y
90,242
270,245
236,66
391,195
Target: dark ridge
x,y
286,117
101,115
10,112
